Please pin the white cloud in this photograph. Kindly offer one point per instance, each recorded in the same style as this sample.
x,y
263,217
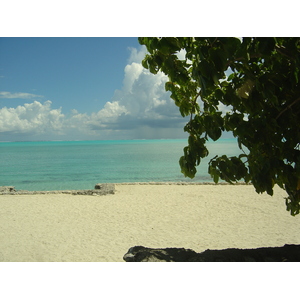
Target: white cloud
x,y
140,109
111,110
143,93
74,111
181,54
132,74
31,118
106,118
142,104
137,55
8,95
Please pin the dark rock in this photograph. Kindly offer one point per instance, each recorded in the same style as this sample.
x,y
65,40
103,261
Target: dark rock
x,y
7,189
289,253
140,253
100,189
108,188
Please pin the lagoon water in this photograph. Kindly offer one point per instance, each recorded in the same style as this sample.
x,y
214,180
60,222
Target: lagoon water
x,y
75,165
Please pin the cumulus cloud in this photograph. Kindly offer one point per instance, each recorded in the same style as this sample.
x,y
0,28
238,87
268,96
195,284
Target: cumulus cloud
x,y
143,94
141,105
8,95
31,118
137,55
140,109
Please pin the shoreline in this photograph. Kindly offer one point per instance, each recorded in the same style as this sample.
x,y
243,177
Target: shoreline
x,y
10,190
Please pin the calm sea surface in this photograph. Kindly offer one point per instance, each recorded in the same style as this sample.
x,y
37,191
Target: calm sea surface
x,y
81,164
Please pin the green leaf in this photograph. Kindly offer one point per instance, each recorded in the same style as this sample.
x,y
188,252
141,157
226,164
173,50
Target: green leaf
x,y
231,76
266,45
145,62
262,95
219,58
214,133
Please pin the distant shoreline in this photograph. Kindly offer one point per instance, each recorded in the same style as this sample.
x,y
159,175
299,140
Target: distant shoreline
x,y
95,192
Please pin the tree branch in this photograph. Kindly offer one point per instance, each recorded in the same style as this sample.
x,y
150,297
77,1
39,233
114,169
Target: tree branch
x,y
288,107
281,51
242,59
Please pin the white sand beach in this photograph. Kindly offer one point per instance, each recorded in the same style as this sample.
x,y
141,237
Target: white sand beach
x,y
59,227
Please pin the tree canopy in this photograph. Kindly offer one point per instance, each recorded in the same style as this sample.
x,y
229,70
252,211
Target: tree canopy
x,y
247,86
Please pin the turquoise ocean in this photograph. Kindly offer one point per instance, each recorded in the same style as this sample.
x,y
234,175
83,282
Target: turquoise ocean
x,y
72,165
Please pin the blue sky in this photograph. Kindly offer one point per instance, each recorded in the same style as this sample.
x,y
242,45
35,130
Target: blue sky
x,y
82,88
78,73
95,88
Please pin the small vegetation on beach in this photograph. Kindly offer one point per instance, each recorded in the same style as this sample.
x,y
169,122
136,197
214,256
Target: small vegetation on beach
x,y
247,86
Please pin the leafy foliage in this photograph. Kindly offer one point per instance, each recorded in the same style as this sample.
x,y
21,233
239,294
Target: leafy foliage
x,y
261,95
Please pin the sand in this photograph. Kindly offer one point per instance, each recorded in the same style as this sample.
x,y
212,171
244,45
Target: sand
x,y
59,227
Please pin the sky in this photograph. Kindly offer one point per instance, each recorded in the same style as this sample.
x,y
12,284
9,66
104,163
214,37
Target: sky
x,y
82,89
55,85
